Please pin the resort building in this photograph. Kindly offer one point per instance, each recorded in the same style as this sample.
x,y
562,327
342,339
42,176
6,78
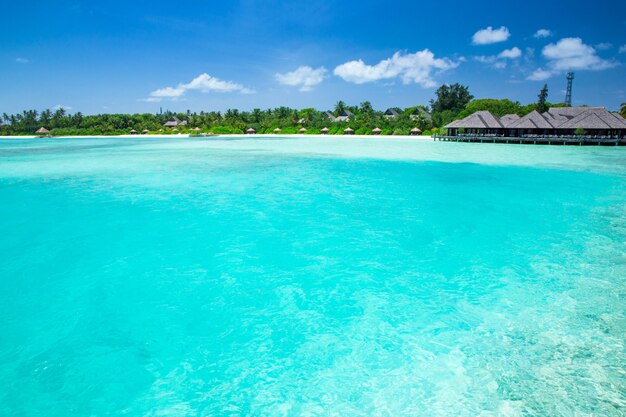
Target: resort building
x,y
344,116
560,122
420,112
391,113
175,122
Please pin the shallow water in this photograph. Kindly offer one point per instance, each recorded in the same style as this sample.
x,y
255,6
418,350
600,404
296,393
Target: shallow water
x,y
311,277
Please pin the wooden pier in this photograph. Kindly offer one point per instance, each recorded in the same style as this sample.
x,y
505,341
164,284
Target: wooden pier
x,y
542,140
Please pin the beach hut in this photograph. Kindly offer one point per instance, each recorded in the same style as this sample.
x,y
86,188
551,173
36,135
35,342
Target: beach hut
x,y
250,131
277,130
145,131
324,131
415,131
376,131
133,132
303,130
348,131
42,131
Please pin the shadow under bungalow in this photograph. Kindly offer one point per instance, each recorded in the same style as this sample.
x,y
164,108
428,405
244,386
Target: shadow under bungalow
x,y
559,125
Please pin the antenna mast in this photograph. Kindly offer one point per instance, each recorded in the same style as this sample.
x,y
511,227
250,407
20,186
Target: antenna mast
x,y
568,92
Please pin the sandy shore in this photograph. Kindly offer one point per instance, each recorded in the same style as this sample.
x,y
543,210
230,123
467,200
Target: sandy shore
x,y
257,136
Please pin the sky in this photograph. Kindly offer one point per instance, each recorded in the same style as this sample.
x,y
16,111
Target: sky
x,y
143,56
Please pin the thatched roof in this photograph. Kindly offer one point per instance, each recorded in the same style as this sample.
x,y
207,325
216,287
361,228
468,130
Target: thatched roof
x,y
377,130
479,120
145,131
594,121
533,120
173,122
421,112
251,130
42,130
348,130
302,130
133,131
509,119
416,130
571,112
325,129
197,129
278,129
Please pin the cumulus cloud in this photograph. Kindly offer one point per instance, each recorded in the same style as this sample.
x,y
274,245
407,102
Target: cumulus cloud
x,y
417,68
305,77
543,33
540,74
570,54
21,60
500,61
490,35
512,53
203,83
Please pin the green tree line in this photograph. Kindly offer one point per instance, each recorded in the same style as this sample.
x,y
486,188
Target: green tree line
x,y
451,102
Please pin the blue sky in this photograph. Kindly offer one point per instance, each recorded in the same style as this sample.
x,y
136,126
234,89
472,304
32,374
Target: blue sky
x,y
121,56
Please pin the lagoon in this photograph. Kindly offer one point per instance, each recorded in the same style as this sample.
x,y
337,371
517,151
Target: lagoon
x,y
317,276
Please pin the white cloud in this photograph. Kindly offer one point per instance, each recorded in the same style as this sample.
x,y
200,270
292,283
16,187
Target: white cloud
x,y
570,54
512,53
203,83
59,107
540,74
542,33
603,46
304,76
20,60
622,49
490,35
415,68
499,61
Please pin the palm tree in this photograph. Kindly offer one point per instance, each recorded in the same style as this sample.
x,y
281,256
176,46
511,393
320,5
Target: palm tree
x,y
339,107
622,110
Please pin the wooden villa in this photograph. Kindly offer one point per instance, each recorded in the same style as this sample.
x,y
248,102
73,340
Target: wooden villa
x,y
391,113
344,116
175,122
558,125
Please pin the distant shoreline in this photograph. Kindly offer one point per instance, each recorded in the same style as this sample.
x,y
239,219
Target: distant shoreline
x,y
239,135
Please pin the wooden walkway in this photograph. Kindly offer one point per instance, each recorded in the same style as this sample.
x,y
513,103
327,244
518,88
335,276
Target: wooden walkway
x,y
571,140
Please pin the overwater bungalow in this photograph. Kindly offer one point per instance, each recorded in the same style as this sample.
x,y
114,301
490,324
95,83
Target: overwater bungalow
x,y
558,124
324,131
415,132
348,131
376,131
251,131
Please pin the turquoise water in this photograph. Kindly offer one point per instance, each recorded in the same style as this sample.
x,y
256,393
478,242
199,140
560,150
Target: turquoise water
x,y
311,277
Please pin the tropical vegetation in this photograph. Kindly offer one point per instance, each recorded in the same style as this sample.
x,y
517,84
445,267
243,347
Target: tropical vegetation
x,y
451,102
